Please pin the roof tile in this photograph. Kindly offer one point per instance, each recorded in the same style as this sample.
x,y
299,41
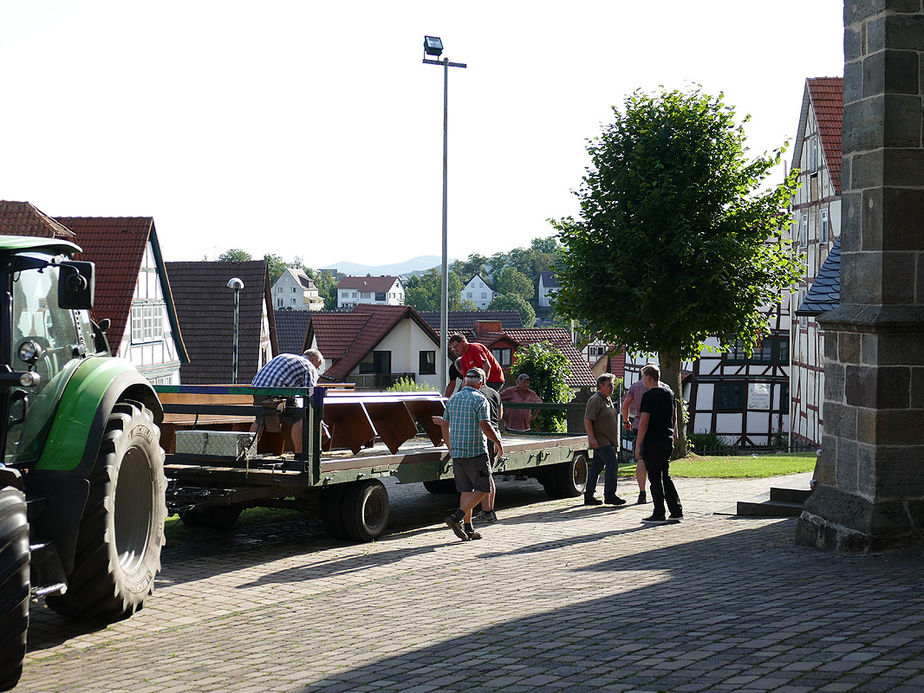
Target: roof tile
x,y
24,219
827,95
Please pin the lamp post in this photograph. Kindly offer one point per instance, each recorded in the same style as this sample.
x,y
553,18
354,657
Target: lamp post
x,y
433,47
235,284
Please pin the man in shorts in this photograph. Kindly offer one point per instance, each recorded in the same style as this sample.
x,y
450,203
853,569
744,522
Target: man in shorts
x,y
465,424
287,370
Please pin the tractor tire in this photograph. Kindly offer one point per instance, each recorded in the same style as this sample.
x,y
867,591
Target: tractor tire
x,y
122,530
365,510
441,486
212,516
14,585
568,479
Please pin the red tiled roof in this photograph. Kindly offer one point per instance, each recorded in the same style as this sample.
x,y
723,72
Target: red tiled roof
x,y
24,219
346,338
205,307
116,246
581,375
827,95
381,283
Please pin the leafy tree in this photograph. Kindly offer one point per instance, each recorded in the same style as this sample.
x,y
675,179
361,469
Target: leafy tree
x,y
518,303
423,291
548,246
326,285
235,255
466,269
514,283
276,266
548,370
675,240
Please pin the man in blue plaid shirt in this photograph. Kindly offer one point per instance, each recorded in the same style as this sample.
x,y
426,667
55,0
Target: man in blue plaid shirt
x,y
465,424
288,370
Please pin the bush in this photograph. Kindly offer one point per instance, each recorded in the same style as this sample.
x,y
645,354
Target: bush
x,y
407,384
548,370
706,443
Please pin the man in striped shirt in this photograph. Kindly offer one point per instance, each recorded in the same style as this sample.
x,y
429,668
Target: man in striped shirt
x,y
465,424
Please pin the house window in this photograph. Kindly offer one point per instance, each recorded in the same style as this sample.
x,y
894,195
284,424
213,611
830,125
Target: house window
x,y
379,295
502,356
736,353
764,352
293,289
365,294
783,356
784,396
376,362
824,226
147,322
279,303
729,397
803,229
427,363
293,301
484,294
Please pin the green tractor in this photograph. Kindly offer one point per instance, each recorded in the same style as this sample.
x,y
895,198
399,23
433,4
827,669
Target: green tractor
x,y
82,483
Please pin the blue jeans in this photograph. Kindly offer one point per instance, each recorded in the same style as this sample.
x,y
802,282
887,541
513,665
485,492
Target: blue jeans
x,y
603,457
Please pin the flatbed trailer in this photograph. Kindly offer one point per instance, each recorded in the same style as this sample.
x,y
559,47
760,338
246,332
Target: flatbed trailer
x,y
215,471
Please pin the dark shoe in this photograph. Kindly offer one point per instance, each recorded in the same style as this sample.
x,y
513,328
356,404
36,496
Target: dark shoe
x,y
642,498
474,534
654,520
590,500
456,526
488,516
615,500
675,518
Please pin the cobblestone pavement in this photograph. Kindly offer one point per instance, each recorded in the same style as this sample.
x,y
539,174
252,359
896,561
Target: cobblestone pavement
x,y
557,596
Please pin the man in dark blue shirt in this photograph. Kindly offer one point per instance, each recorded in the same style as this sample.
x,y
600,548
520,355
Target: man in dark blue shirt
x,y
657,432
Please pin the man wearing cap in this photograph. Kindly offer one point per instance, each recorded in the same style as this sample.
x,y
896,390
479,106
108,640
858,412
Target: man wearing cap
x,y
474,355
465,424
519,420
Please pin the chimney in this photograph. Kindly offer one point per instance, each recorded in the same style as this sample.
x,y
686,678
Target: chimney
x,y
483,326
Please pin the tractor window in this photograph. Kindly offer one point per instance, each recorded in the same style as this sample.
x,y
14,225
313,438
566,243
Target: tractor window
x,y
37,318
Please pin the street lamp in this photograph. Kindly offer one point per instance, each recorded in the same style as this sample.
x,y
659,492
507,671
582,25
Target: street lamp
x,y
433,47
235,284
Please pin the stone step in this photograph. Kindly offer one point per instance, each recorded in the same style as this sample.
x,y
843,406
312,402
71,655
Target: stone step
x,y
789,495
764,507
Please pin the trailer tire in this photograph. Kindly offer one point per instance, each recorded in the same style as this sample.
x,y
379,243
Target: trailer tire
x,y
441,486
331,511
549,481
568,479
365,510
122,530
14,585
212,516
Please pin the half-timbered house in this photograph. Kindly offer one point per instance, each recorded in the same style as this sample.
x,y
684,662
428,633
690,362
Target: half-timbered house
x,y
816,227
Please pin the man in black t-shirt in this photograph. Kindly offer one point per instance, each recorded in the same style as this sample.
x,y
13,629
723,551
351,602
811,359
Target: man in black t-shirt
x,y
657,432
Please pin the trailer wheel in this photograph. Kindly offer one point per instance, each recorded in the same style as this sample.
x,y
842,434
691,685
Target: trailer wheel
x,y
122,530
14,585
331,511
212,516
568,479
441,486
365,510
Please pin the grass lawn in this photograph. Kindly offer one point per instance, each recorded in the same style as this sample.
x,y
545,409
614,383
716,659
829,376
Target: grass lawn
x,y
738,466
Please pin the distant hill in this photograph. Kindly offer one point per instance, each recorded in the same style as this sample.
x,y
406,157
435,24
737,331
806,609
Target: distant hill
x,y
415,264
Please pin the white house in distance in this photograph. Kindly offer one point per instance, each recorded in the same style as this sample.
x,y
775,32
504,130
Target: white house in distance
x,y
478,292
815,230
294,290
381,291
548,285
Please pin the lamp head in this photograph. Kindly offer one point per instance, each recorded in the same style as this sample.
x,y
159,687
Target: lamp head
x,y
235,283
433,46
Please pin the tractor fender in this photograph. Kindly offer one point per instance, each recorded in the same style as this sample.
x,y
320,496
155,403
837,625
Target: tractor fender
x,y
60,476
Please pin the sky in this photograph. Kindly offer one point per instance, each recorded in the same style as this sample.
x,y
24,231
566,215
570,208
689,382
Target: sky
x,y
311,129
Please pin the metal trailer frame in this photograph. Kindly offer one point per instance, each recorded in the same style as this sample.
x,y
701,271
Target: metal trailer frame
x,y
379,440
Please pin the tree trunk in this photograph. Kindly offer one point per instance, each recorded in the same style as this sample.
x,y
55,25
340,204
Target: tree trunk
x,y
670,376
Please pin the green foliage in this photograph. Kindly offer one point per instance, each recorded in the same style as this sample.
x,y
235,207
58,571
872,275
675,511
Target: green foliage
x,y
276,266
326,284
407,384
423,291
675,242
549,371
235,255
518,303
743,466
513,282
466,269
706,443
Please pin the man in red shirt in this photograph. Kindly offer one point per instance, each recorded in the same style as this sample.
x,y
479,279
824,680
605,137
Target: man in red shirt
x,y
474,355
519,420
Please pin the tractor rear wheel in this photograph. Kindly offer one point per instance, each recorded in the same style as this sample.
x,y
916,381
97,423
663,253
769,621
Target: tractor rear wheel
x,y
14,585
122,530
